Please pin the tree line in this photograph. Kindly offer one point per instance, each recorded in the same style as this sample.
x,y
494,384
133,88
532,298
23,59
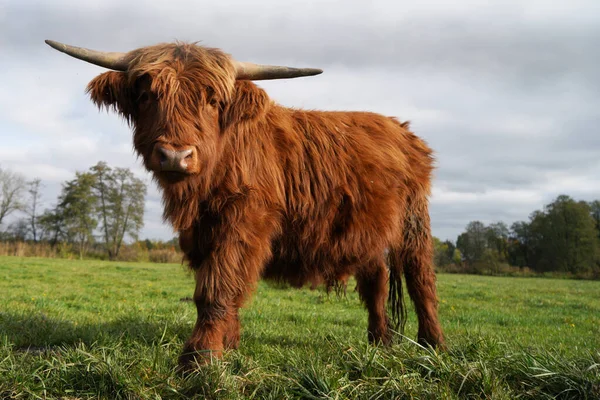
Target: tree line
x,y
563,237
104,206
101,206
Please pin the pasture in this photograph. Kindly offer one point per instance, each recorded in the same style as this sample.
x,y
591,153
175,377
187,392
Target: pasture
x,y
80,329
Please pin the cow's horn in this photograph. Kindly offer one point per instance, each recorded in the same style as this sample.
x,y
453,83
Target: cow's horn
x,y
256,72
244,70
116,61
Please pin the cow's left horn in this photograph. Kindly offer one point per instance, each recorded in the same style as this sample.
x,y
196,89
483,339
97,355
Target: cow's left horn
x,y
111,60
256,72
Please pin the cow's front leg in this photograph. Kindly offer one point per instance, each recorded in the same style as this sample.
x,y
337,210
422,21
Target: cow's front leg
x,y
206,340
217,324
224,278
217,328
231,338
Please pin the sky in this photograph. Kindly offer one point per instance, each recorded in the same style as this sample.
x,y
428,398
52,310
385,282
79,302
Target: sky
x,y
507,93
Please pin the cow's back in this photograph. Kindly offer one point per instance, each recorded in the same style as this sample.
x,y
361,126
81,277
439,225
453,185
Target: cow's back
x,y
347,178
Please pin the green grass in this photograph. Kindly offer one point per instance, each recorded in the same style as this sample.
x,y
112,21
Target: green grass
x,y
91,329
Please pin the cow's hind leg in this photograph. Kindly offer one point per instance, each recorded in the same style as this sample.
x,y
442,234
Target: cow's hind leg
x,y
415,258
372,288
420,281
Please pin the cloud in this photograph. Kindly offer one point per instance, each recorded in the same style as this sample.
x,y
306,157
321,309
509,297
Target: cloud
x,y
505,92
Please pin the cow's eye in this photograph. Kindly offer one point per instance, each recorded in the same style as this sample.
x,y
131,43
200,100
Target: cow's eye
x,y
144,97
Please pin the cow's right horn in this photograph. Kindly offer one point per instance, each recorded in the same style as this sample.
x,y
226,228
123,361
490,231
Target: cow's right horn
x,y
111,60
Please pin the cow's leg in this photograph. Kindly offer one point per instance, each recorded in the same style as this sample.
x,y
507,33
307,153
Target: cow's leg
x,y
207,336
420,281
372,288
417,259
217,327
231,338
232,332
224,278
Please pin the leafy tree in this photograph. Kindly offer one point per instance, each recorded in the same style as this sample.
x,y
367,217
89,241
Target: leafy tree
x,y
520,246
32,209
120,205
450,250
537,228
595,211
78,204
148,243
473,242
457,257
439,253
53,225
443,252
565,237
11,191
497,240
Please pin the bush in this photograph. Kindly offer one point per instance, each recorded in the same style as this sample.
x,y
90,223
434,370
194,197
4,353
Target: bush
x,y
165,256
137,251
26,249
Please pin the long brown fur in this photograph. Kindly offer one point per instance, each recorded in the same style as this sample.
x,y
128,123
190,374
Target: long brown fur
x,y
279,193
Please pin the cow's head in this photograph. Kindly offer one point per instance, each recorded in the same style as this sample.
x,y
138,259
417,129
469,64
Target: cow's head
x,y
179,98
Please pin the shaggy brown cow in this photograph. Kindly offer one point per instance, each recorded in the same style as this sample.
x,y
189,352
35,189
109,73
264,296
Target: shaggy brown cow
x,y
260,190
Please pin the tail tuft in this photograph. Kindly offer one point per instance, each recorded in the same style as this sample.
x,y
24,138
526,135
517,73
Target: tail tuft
x,y
395,301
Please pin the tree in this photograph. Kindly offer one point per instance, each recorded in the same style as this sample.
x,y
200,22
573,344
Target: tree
x,y
11,191
595,211
565,237
457,257
120,205
439,253
33,207
520,246
450,250
78,205
473,242
497,235
443,252
52,223
18,230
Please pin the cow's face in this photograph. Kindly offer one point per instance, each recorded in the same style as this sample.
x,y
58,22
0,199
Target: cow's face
x,y
173,99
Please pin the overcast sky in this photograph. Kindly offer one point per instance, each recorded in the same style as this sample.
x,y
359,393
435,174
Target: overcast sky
x,y
506,92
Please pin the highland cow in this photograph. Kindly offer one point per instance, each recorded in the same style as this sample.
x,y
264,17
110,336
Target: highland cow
x,y
257,190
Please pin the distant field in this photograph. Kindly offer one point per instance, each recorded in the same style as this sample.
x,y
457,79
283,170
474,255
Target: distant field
x,y
80,329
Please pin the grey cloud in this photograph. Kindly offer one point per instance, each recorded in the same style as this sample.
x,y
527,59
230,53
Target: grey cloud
x,y
500,44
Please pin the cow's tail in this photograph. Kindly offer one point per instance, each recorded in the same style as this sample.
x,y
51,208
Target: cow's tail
x,y
395,301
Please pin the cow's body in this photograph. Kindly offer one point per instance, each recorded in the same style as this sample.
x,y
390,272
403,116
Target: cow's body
x,y
279,193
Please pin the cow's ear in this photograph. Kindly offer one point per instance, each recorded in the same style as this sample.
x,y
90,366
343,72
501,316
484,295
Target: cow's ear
x,y
248,102
111,90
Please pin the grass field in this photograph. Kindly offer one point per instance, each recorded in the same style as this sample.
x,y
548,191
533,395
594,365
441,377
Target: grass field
x,y
90,329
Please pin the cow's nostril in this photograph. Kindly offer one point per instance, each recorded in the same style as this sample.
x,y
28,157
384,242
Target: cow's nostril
x,y
163,153
174,160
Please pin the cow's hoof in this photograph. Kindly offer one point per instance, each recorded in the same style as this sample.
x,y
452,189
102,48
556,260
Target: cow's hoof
x,y
187,363
191,360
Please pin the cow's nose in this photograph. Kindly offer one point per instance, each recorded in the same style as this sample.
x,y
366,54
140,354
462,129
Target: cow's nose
x,y
174,160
